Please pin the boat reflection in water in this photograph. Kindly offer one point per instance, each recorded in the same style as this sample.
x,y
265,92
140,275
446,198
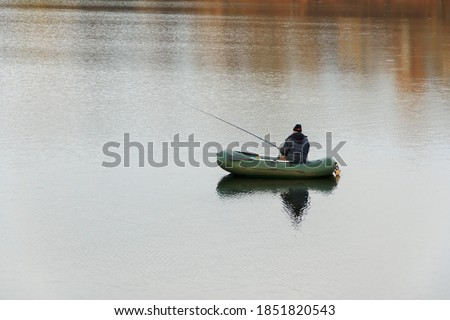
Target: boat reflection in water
x,y
294,193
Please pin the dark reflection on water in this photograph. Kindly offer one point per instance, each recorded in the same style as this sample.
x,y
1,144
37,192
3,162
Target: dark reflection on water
x,y
330,8
294,194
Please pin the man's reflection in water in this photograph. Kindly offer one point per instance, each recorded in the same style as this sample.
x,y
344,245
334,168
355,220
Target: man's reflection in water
x,y
296,203
294,194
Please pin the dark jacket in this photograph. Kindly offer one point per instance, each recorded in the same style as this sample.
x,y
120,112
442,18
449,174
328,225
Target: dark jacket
x,y
295,148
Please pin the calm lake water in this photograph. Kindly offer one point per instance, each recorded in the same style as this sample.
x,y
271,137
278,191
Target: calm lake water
x,y
76,76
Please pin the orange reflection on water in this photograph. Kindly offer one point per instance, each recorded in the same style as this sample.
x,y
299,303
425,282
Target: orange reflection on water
x,y
410,39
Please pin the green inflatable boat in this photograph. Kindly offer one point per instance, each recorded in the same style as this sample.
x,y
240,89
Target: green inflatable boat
x,y
254,165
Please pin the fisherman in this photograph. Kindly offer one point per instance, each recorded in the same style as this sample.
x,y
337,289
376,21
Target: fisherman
x,y
296,147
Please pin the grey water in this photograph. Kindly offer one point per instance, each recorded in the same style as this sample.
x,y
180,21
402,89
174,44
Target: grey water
x,y
75,75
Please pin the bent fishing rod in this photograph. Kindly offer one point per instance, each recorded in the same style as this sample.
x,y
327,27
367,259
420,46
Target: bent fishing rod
x,y
231,124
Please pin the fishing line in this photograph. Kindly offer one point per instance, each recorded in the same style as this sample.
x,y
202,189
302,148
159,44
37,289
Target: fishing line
x,y
231,124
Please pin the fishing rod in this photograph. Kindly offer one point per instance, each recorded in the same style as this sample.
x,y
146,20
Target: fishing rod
x,y
227,122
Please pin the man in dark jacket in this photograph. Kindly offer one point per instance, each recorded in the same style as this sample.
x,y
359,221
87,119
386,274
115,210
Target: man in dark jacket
x,y
296,146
